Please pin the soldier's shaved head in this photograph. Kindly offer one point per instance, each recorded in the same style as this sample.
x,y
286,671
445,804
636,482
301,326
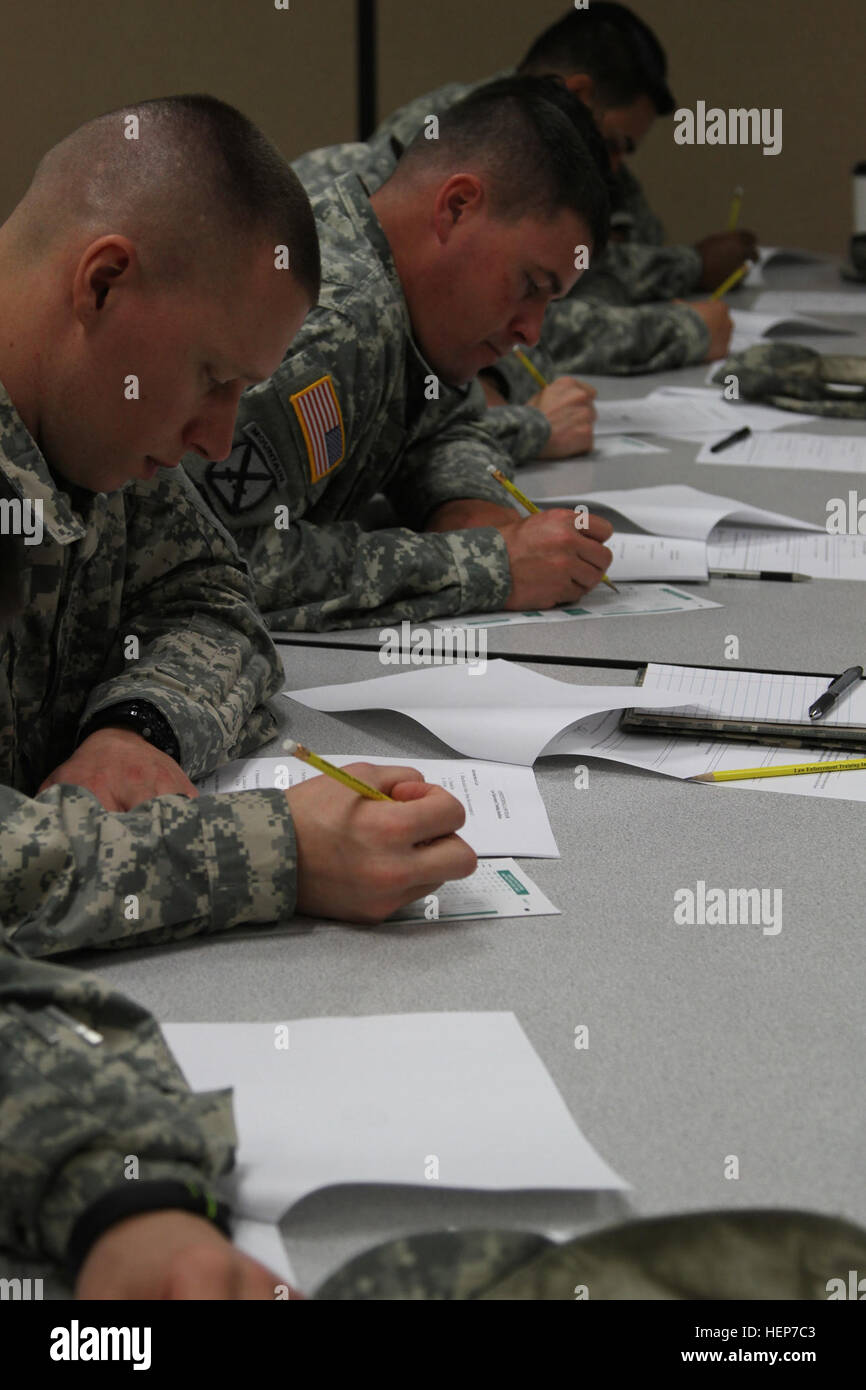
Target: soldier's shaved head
x,y
532,141
188,179
161,261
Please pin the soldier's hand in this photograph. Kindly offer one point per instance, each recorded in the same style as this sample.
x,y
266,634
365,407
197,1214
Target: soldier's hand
x,y
552,561
359,860
172,1255
723,253
122,769
567,404
716,316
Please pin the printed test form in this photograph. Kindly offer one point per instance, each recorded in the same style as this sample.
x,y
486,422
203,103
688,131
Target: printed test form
x,y
681,410
505,814
821,453
498,888
754,695
810,302
793,552
656,557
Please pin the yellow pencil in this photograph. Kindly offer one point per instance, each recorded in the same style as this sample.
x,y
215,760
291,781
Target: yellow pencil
x,y
736,204
530,506
531,368
789,770
297,750
732,280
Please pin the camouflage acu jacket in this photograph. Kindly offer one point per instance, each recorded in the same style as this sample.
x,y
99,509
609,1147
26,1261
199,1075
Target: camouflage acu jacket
x,y
72,1110
146,563
133,594
351,412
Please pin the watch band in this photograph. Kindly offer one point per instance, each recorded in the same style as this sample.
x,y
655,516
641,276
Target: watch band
x,y
140,716
135,1198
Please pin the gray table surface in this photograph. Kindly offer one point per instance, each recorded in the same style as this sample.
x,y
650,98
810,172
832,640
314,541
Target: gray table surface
x,y
704,1041
814,627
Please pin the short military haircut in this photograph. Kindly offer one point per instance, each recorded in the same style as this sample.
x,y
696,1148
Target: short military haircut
x,y
616,49
190,174
534,143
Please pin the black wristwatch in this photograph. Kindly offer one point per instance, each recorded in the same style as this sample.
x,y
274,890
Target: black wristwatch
x,y
135,1198
140,716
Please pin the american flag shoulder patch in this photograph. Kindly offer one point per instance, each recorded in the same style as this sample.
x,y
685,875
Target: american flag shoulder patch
x,y
321,420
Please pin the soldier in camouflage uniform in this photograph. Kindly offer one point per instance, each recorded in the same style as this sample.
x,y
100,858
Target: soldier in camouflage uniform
x,y
615,64
137,660
359,407
128,602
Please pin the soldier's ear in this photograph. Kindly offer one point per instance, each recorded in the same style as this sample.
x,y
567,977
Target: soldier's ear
x,y
103,267
459,197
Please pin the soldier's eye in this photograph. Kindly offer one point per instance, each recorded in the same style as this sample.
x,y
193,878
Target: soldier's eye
x,y
531,287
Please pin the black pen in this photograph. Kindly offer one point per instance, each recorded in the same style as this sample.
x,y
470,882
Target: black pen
x,y
780,575
731,439
835,691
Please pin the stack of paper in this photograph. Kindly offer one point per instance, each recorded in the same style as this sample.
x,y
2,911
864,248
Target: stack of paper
x,y
775,255
676,510
800,552
821,453
732,692
424,1101
811,302
750,327
508,714
683,411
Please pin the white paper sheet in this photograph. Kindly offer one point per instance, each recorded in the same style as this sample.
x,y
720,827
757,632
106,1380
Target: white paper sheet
x,y
798,552
737,694
778,255
601,737
750,327
811,302
656,557
677,510
373,1100
498,888
684,410
632,601
505,814
616,446
821,453
508,714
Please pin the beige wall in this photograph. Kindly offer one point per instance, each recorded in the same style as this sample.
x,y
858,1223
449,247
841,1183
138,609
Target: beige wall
x,y
293,71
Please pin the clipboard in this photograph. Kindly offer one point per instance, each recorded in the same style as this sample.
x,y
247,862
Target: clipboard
x,y
780,734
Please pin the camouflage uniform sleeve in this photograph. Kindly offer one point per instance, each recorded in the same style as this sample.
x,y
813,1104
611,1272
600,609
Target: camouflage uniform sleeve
x,y
520,430
75,875
629,272
322,571
516,384
73,1111
449,457
205,660
354,578
583,336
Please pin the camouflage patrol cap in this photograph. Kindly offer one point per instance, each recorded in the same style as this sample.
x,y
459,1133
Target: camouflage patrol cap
x,y
701,1255
795,377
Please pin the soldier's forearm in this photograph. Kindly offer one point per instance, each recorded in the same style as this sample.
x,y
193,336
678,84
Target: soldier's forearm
x,y
466,513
